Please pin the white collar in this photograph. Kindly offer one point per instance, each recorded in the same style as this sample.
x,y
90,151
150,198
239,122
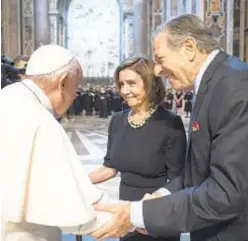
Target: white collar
x,y
203,68
39,93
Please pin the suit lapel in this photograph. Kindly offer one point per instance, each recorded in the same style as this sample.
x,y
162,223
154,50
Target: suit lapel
x,y
203,88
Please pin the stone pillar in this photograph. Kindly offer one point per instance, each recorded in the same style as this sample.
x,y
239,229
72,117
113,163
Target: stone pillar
x,y
57,15
140,23
128,37
53,19
11,28
27,27
200,9
230,26
42,35
62,32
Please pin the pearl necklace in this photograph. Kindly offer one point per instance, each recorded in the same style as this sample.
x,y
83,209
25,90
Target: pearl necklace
x,y
141,123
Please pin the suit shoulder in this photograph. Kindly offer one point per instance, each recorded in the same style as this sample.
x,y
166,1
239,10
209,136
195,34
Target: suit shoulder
x,y
235,69
234,64
232,75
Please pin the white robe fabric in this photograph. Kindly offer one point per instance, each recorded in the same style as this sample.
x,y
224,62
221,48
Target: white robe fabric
x,y
43,182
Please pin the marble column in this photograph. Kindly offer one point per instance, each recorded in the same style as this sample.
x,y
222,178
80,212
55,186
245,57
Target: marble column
x,y
140,27
53,19
128,36
42,34
230,26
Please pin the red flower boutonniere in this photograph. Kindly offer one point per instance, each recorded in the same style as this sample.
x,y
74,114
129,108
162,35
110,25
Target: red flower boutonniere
x,y
195,126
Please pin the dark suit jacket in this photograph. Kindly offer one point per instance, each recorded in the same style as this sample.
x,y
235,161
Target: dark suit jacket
x,y
210,198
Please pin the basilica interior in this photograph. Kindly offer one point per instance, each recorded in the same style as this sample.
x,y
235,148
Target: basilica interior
x,y
101,34
27,24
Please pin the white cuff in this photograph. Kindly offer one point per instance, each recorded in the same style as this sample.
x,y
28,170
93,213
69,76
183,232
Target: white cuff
x,y
163,191
136,214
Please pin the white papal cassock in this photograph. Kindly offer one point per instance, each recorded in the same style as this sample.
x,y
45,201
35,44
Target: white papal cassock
x,y
44,186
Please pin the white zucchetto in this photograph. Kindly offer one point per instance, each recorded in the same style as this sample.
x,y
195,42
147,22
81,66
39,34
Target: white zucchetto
x,y
48,59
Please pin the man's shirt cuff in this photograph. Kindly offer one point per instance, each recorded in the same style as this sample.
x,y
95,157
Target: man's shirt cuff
x,y
136,214
163,191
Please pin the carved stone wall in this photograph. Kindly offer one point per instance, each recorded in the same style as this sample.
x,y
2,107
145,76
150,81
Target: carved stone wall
x,y
28,29
11,28
215,18
23,24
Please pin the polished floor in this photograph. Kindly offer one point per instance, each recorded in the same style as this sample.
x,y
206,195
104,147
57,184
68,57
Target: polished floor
x,y
89,137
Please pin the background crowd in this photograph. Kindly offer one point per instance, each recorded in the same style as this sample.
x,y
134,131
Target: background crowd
x,y
101,101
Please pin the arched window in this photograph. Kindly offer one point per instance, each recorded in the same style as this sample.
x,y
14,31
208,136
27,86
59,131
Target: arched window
x,y
93,29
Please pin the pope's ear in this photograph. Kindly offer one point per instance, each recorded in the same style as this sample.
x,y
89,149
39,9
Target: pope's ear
x,y
62,81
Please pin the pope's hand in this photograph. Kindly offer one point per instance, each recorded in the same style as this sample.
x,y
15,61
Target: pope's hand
x,y
119,225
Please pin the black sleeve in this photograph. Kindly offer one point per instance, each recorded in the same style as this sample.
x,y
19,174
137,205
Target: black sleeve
x,y
177,183
107,160
223,195
175,149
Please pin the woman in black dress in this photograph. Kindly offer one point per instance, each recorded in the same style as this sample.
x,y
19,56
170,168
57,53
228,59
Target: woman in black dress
x,y
146,143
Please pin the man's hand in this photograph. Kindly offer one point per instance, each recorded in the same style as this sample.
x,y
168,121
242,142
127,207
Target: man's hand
x,y
154,195
142,231
120,223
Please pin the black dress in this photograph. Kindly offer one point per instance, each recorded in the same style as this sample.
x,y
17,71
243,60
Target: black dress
x,y
146,157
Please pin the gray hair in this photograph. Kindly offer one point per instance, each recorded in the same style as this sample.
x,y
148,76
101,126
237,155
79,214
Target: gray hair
x,y
189,25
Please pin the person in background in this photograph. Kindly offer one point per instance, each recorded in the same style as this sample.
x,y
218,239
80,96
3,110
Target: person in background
x,y
188,98
179,102
169,99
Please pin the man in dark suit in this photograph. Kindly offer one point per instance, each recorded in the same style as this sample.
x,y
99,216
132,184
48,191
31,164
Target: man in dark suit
x,y
210,198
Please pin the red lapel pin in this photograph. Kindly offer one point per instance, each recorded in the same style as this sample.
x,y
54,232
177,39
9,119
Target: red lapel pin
x,y
195,126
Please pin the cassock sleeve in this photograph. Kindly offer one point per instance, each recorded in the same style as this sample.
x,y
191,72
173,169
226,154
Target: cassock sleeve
x,y
59,192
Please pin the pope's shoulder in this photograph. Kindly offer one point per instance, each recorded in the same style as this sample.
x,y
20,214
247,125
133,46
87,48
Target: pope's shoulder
x,y
16,103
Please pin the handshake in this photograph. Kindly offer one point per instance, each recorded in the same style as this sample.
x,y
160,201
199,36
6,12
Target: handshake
x,y
120,223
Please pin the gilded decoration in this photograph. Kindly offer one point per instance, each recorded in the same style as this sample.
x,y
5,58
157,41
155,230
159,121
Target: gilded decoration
x,y
28,27
215,18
